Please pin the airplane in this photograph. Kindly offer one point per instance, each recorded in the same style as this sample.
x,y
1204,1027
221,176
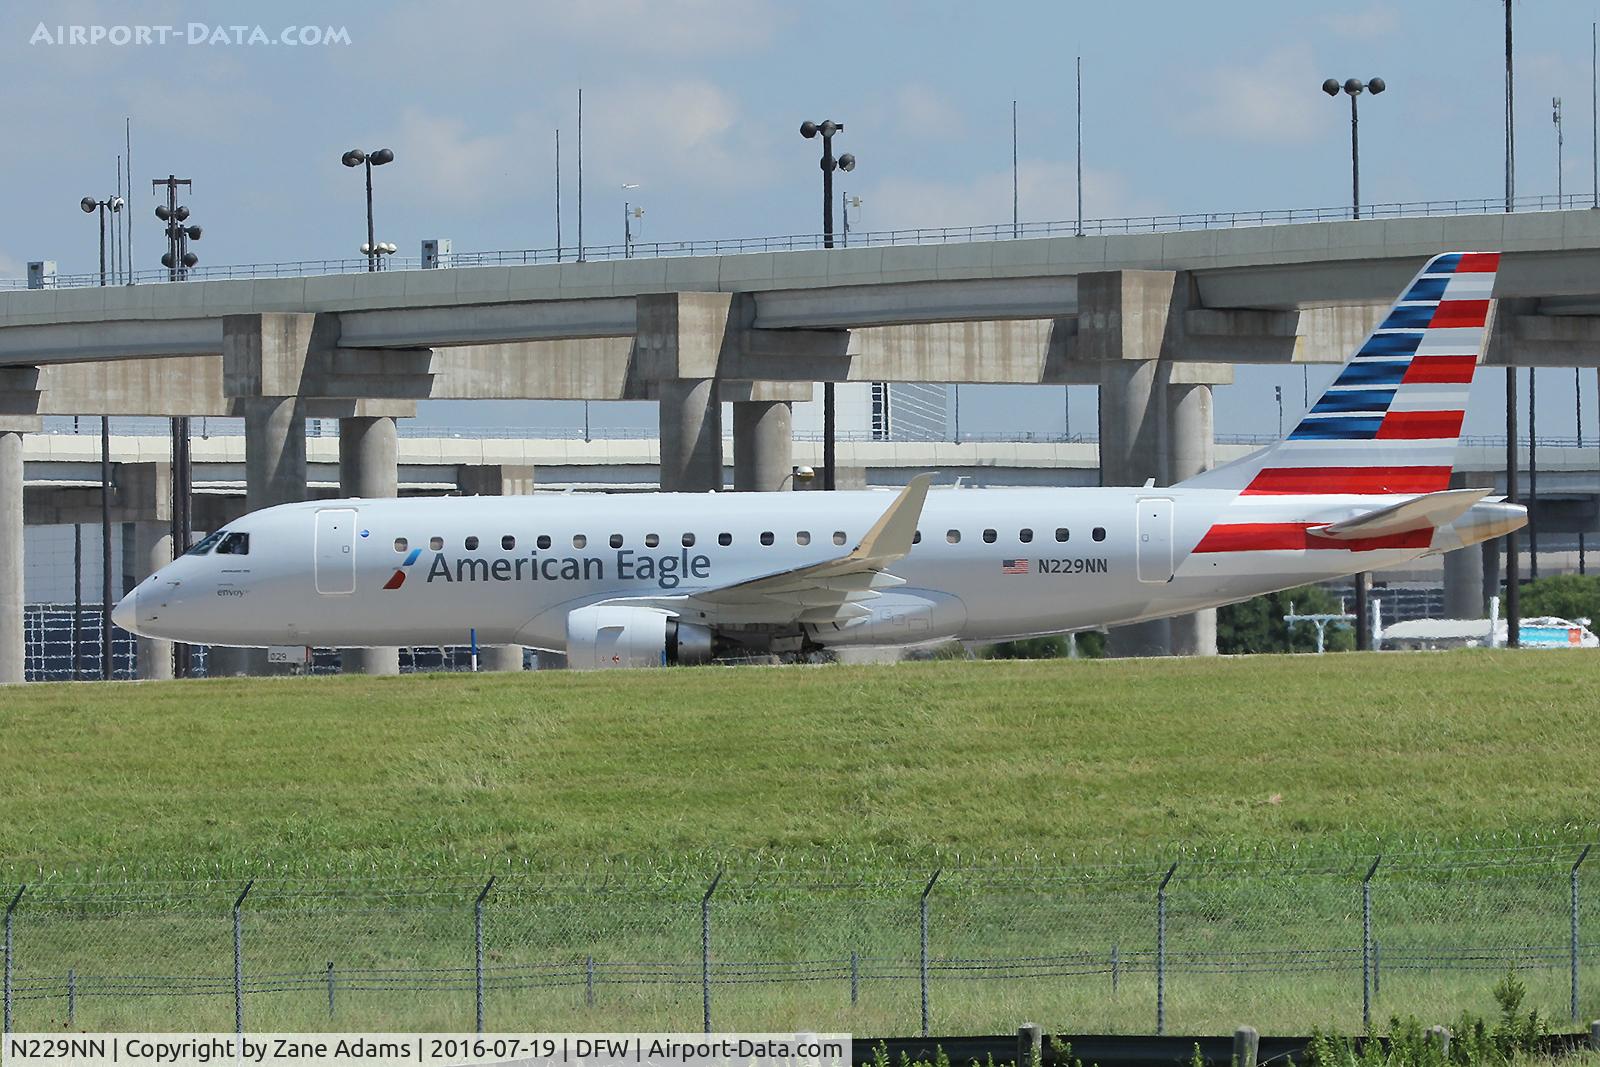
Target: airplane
x,y
645,580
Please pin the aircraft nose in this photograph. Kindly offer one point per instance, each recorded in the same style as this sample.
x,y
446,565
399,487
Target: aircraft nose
x,y
126,613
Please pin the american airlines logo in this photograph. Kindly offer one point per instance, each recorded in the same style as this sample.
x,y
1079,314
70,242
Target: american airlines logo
x,y
398,579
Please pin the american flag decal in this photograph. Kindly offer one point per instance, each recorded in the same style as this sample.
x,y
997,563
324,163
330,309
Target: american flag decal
x,y
1013,566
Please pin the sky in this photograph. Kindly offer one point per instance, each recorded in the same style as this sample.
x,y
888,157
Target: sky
x,y
1191,107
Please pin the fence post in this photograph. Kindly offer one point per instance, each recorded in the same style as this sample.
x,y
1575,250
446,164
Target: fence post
x,y
1161,950
588,981
1030,1045
855,977
1366,944
1116,967
330,989
72,998
11,909
1574,943
238,958
705,952
922,912
477,953
1246,1046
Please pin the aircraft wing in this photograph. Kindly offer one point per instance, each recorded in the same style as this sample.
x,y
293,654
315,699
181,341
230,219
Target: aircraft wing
x,y
831,591
1419,513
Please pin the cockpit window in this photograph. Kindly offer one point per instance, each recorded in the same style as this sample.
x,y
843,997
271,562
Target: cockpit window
x,y
207,544
234,544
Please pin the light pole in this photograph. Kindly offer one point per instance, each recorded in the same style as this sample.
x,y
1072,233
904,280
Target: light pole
x,y
92,206
179,261
847,163
379,250
1555,117
847,202
357,158
1354,87
629,213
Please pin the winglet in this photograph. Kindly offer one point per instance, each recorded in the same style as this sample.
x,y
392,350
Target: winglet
x,y
892,535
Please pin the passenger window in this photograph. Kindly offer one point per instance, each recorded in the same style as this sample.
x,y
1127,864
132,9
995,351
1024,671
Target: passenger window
x,y
802,537
234,544
1062,533
579,541
400,544
839,537
989,537
508,542
724,539
472,544
1099,533
1025,535
543,541
652,540
766,537
436,543
953,536
616,540
688,540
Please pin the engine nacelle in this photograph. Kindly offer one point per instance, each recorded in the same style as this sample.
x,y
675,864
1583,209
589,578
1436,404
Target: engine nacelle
x,y
608,638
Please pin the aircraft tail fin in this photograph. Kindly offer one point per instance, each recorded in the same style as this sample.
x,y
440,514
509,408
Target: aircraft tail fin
x,y
1390,422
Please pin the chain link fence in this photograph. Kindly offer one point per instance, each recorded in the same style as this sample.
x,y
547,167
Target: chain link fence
x,y
1191,947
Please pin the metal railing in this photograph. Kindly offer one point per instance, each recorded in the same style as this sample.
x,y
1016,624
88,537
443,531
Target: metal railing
x,y
1190,946
1123,226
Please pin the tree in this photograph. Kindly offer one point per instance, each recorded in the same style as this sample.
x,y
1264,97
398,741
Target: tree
x,y
1257,625
1566,596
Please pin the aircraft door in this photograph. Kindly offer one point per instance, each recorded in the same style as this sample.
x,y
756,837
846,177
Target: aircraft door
x,y
1155,539
336,550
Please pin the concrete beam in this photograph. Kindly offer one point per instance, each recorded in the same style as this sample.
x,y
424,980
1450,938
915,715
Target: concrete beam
x,y
441,327
116,338
1521,337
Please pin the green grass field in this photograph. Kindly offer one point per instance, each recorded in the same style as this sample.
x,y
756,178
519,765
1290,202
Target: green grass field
x,y
878,767
829,793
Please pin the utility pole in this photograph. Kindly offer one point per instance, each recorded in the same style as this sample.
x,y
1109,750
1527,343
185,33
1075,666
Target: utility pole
x,y
1513,565
178,259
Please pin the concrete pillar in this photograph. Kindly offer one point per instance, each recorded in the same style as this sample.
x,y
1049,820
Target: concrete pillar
x,y
12,597
1463,584
500,658
691,436
369,450
1131,417
275,473
1191,449
763,446
274,451
1132,432
152,550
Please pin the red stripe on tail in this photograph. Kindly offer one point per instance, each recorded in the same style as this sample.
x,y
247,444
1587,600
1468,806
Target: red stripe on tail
x,y
1420,425
1358,480
1297,536
1454,314
1440,370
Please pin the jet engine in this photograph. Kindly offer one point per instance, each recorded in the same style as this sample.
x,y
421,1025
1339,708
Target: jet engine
x,y
609,637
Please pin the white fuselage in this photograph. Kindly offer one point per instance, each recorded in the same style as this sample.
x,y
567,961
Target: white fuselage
x,y
988,563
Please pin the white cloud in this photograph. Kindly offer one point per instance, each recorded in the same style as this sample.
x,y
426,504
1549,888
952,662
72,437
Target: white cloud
x,y
1271,100
1372,23
1046,192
